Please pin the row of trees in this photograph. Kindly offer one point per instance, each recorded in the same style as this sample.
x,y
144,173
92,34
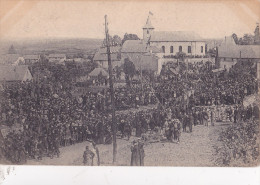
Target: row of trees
x,y
117,41
248,39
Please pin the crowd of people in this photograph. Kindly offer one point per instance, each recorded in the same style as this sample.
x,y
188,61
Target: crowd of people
x,y
52,117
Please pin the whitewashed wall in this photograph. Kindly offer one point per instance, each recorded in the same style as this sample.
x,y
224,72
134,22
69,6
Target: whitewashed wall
x,y
195,47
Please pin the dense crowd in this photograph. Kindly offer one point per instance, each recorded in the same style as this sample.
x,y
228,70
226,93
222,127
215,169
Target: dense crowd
x,y
203,87
186,96
52,117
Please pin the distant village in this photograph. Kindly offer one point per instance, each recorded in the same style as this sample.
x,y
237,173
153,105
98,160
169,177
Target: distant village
x,y
154,51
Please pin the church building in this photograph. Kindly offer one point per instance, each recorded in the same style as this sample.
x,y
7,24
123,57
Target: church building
x,y
173,42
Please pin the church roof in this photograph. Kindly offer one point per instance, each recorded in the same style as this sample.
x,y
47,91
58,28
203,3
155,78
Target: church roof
x,y
175,36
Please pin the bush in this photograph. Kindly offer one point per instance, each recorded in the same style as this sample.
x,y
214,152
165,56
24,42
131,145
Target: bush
x,y
239,145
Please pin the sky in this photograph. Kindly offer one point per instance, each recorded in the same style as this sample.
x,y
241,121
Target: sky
x,y
79,19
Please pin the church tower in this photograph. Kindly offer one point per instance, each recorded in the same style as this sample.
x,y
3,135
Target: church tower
x,y
257,35
147,29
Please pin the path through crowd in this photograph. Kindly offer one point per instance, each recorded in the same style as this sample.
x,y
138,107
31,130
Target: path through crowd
x,y
194,149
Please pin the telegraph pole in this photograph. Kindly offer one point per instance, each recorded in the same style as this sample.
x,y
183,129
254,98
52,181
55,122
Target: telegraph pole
x,y
111,90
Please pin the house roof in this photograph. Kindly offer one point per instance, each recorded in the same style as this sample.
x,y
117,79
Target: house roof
x,y
57,56
113,49
31,57
138,46
9,58
103,57
148,61
229,49
97,71
13,73
160,36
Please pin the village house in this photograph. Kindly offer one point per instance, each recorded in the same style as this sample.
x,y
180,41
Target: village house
x,y
99,76
101,57
11,59
12,74
229,53
30,59
57,58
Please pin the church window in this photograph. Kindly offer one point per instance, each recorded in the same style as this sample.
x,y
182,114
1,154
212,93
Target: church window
x,y
189,49
163,49
201,49
171,49
180,48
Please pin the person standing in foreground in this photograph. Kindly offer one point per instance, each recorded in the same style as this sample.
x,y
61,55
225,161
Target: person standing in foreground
x,y
96,160
141,152
88,156
137,153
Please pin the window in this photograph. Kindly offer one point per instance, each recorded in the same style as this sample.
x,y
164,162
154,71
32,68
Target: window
x,y
171,49
189,49
180,48
201,49
147,31
163,49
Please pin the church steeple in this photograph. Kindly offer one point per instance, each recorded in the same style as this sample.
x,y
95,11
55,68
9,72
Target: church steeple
x,y
148,28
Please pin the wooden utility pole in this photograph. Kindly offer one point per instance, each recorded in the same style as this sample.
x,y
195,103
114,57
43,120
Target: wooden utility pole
x,y
111,90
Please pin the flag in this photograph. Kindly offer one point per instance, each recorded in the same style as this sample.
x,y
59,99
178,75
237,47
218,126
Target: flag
x,y
150,13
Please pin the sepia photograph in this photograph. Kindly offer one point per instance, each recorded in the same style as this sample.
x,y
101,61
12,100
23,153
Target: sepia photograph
x,y
129,83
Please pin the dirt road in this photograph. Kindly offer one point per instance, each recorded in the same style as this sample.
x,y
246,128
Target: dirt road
x,y
195,149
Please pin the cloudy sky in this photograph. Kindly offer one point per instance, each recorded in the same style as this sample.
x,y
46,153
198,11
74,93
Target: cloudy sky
x,y
31,19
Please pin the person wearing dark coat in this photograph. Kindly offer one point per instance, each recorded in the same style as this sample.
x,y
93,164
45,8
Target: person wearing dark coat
x,y
141,152
235,115
256,112
135,154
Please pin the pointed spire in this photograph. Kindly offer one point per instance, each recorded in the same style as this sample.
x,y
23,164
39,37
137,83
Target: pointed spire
x,y
148,24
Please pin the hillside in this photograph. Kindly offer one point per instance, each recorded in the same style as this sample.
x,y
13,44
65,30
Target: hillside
x,y
47,46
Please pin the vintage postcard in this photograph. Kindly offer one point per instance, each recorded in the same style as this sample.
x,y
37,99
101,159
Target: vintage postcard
x,y
129,83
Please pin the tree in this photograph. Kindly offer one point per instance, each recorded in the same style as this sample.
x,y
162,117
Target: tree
x,y
11,50
248,39
114,41
180,55
235,38
117,41
129,70
130,37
